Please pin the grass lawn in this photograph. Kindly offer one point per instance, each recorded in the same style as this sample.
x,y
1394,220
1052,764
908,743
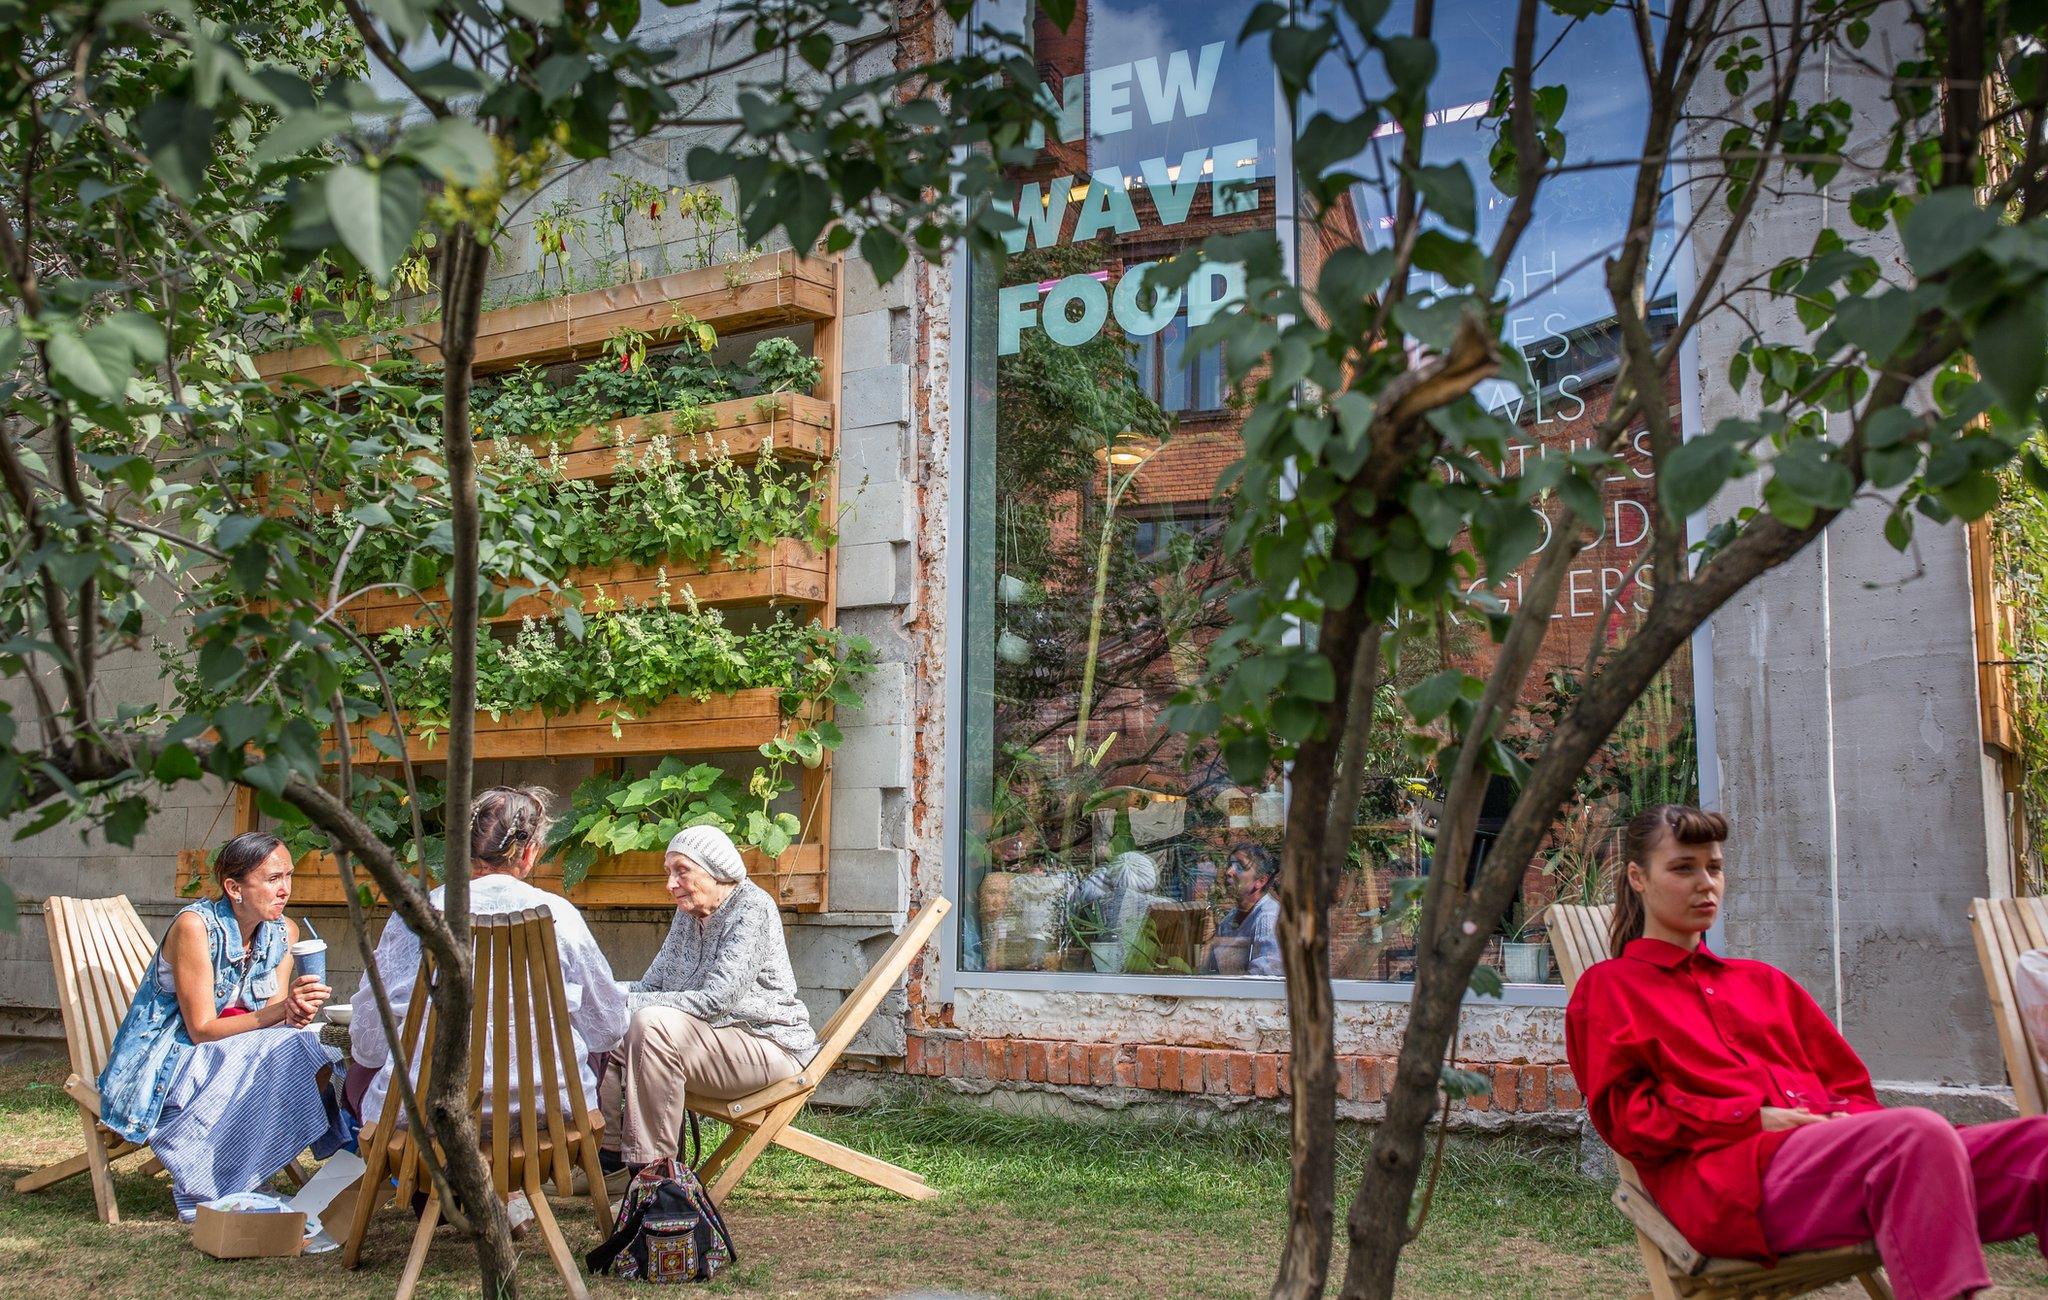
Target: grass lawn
x,y
1030,1208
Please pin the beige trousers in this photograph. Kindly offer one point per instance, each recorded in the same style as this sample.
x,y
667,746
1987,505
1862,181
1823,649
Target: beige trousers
x,y
667,1055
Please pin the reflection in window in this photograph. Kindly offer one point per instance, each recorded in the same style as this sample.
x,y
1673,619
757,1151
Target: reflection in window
x,y
1097,840
1178,379
1558,315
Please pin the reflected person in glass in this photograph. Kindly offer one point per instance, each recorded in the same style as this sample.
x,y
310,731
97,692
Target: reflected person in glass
x,y
1247,938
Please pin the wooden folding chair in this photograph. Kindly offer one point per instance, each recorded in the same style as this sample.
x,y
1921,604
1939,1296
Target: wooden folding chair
x,y
2005,928
1579,937
762,1118
100,950
522,1015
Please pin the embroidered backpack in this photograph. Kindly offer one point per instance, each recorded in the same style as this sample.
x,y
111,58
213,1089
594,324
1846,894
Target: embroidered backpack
x,y
668,1230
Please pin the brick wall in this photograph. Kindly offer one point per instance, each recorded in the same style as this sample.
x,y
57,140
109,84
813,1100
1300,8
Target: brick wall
x,y
1519,1088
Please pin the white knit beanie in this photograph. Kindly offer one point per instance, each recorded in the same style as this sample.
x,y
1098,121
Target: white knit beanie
x,y
711,849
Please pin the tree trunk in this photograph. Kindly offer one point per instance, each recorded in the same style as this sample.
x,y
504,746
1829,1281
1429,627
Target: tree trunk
x,y
1314,851
462,285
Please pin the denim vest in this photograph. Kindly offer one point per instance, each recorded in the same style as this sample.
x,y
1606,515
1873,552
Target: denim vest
x,y
153,1042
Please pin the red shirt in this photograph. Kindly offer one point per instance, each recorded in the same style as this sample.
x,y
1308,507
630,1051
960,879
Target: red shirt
x,y
1677,1051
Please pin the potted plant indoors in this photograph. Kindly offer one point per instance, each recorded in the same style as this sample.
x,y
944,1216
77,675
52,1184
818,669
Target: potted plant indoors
x,y
1522,960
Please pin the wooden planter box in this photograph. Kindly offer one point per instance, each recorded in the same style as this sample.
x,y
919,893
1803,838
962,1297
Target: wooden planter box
x,y
787,573
792,424
774,289
742,720
796,880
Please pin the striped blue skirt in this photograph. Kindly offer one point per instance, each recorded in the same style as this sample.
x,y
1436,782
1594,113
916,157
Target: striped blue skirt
x,y
241,1109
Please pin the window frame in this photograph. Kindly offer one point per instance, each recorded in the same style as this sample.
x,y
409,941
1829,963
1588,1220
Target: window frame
x,y
950,977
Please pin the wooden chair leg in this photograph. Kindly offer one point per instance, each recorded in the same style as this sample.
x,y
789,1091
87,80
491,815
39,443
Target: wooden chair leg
x,y
1653,1264
1876,1284
593,1173
416,1260
865,1167
102,1169
723,1171
367,1200
51,1175
551,1234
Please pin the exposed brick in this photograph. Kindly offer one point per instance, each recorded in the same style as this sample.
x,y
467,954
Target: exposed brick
x,y
1238,1073
1287,1075
913,1055
1373,1072
1018,1057
1034,1063
1535,1088
956,1058
1484,1100
977,1059
1345,1076
1266,1075
1168,1069
1059,1063
1564,1089
1102,1065
1507,1087
935,1057
1216,1073
1147,1063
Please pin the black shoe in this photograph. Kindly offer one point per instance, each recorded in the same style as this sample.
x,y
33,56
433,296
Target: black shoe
x,y
610,1161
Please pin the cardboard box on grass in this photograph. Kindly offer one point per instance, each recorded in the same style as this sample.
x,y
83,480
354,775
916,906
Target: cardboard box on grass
x,y
234,1234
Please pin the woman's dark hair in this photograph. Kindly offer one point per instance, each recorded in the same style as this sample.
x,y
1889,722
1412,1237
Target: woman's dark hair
x,y
504,821
1647,829
1260,858
243,854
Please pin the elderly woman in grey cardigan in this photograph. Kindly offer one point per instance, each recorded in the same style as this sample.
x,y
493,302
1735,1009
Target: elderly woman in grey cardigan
x,y
716,1014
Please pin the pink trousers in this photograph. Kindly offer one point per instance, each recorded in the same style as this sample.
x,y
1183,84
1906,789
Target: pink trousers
x,y
1930,1193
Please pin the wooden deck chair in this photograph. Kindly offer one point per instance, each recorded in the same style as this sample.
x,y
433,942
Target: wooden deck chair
x,y
529,1137
1579,936
100,950
762,1118
2005,928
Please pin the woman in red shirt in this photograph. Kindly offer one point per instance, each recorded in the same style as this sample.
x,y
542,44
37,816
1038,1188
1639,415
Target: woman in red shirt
x,y
1749,1117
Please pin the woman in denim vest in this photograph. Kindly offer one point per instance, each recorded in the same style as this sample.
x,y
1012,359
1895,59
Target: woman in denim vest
x,y
216,1066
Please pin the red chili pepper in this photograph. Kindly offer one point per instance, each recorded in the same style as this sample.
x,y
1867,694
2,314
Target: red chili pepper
x,y
625,364
298,294
654,210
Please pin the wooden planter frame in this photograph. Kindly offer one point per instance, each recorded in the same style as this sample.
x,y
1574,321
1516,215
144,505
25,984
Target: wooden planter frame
x,y
761,292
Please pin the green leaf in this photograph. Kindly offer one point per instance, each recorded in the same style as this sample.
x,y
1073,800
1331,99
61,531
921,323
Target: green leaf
x,y
2010,348
545,12
1876,325
94,368
300,132
1447,189
375,213
177,134
176,763
885,254
1411,62
1694,472
1944,228
220,661
1432,697
1808,472
455,149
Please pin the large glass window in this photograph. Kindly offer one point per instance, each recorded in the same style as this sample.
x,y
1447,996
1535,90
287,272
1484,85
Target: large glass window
x,y
1096,840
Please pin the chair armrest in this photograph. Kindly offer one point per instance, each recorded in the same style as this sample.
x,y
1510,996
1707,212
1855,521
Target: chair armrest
x,y
84,1094
1636,1205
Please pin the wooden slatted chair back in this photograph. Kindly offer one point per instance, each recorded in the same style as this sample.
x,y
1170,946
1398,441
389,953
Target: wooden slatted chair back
x,y
101,951
2004,928
1578,935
